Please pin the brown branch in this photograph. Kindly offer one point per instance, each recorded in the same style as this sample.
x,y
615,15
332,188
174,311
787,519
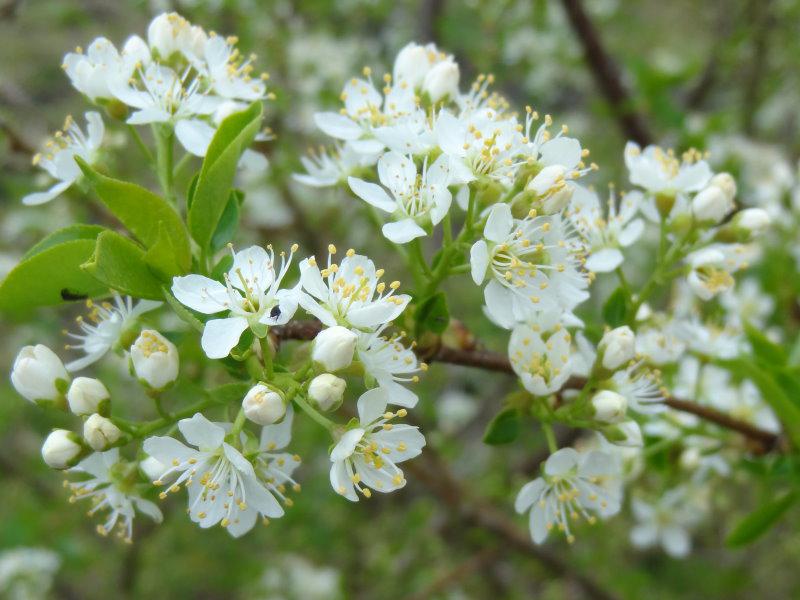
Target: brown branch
x,y
762,440
464,509
606,74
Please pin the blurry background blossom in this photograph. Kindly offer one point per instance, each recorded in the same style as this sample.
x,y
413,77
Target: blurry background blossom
x,y
716,75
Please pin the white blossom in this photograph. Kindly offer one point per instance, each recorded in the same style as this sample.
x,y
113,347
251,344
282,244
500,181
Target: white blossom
x,y
94,72
533,265
415,200
572,486
606,232
667,522
712,268
541,356
104,327
222,484
58,156
251,297
365,458
349,294
390,363
109,491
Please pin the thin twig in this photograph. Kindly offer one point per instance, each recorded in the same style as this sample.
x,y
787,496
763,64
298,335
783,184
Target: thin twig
x,y
763,441
607,75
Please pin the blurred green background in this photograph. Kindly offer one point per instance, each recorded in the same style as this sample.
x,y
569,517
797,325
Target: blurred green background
x,y
721,75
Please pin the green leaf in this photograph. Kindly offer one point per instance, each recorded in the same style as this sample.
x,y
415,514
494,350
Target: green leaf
x,y
72,232
615,310
214,184
120,264
503,428
228,222
432,314
230,393
766,350
52,273
142,212
760,521
161,257
773,393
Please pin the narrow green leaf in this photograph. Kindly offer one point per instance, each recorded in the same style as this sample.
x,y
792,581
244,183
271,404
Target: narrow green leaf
x,y
214,184
773,393
760,521
228,222
51,275
615,310
120,264
142,212
432,314
767,351
503,428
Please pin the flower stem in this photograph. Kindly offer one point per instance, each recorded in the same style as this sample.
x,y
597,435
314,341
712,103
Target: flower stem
x,y
164,160
312,412
550,436
238,424
140,144
266,355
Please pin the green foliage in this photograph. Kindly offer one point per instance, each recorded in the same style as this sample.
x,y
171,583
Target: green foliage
x,y
50,273
432,314
121,265
213,188
503,428
229,221
617,308
149,217
760,521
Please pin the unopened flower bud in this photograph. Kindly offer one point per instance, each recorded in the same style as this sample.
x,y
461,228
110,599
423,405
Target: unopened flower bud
x,y
263,406
609,407
87,396
548,178
726,183
154,359
411,65
627,434
327,391
62,449
442,80
39,375
753,220
712,204
99,432
617,347
334,347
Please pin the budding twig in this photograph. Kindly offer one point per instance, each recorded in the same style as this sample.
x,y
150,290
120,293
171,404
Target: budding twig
x,y
763,441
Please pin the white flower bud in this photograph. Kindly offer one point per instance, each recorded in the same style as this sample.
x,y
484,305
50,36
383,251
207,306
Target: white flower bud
x,y
617,347
99,432
263,406
442,80
155,359
169,33
711,204
334,347
327,391
87,396
39,375
754,220
726,183
411,65
62,449
609,407
627,434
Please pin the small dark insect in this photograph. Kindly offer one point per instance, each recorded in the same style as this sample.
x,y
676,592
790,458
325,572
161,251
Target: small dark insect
x,y
275,312
68,295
